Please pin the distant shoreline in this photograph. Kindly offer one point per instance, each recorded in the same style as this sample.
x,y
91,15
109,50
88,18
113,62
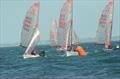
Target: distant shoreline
x,y
88,40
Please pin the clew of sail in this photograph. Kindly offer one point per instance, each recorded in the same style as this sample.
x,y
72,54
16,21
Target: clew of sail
x,y
103,32
30,33
65,23
53,34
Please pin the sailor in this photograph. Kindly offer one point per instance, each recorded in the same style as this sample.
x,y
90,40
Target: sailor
x,y
116,47
42,53
109,47
33,52
69,48
81,51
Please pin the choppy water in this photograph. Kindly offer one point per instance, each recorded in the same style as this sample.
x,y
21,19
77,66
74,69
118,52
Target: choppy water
x,y
97,65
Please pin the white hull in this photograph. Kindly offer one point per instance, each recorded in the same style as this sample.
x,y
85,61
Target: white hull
x,y
108,50
71,53
59,49
31,56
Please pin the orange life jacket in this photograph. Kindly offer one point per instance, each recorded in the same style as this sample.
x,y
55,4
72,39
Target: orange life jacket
x,y
81,51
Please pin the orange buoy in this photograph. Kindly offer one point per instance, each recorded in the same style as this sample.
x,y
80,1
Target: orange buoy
x,y
81,51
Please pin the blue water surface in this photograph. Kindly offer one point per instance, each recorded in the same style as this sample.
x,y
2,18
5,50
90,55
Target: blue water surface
x,y
97,65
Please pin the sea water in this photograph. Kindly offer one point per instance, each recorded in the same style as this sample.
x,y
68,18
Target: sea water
x,y
97,65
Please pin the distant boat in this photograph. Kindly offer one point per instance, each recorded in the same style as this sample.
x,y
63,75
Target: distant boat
x,y
65,29
53,33
30,33
104,31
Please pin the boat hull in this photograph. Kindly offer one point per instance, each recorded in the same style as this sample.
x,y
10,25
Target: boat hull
x,y
59,49
108,50
31,56
71,53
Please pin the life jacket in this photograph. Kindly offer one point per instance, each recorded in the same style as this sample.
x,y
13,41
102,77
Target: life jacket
x,y
81,51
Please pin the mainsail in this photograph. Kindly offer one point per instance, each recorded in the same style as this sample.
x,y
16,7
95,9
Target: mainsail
x,y
53,34
65,25
103,34
30,33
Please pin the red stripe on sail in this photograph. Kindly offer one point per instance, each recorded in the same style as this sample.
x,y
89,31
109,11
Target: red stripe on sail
x,y
64,32
62,23
37,4
110,23
69,1
110,3
65,9
107,43
27,21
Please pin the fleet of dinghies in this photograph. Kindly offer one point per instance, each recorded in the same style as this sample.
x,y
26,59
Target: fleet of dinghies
x,y
62,35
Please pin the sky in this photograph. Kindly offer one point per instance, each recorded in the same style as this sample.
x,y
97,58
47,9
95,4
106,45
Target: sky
x,y
86,14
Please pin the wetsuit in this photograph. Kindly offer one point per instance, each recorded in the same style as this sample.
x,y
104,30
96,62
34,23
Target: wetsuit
x,y
42,53
33,53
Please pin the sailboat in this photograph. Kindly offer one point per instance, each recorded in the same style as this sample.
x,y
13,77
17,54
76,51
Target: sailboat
x,y
53,33
30,32
104,31
65,37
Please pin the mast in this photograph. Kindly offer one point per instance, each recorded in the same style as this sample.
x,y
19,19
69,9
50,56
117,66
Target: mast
x,y
112,19
110,23
71,21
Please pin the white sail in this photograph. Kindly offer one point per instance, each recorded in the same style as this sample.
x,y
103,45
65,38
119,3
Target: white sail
x,y
65,23
109,23
30,32
53,33
104,30
30,24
